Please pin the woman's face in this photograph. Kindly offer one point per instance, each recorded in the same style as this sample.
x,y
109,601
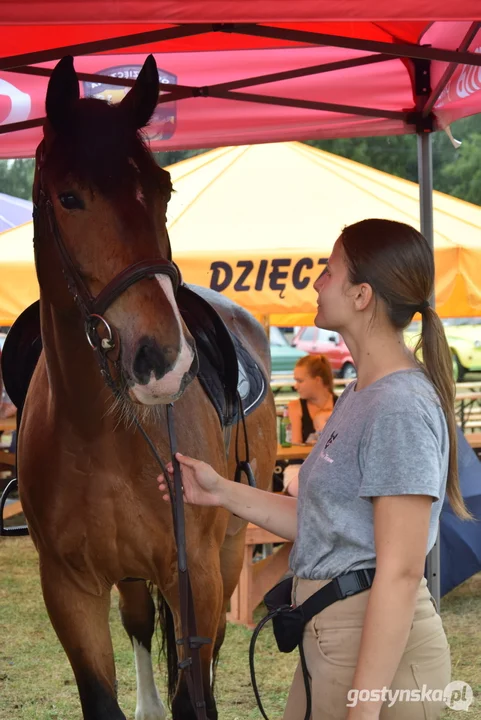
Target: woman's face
x,y
333,302
306,385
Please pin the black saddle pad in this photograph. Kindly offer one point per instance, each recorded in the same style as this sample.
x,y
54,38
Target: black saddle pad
x,y
227,371
20,355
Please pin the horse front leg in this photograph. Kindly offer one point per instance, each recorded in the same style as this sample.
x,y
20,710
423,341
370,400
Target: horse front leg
x,y
231,559
137,611
206,583
80,618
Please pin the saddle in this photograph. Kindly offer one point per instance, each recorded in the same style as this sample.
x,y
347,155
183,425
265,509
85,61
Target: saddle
x,y
228,373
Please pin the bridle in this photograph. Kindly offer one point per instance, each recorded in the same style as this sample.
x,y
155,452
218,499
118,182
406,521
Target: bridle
x,y
106,346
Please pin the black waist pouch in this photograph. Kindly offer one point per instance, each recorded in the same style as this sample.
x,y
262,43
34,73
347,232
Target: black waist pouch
x,y
287,621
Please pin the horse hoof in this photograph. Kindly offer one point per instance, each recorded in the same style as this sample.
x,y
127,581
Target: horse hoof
x,y
154,712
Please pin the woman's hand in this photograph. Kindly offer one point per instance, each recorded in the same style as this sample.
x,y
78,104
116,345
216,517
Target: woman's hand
x,y
200,482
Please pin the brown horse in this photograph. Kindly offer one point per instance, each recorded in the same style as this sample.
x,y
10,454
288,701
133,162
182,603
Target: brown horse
x,y
86,476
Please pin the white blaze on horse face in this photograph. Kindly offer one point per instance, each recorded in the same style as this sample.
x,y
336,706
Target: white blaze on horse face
x,y
168,388
149,704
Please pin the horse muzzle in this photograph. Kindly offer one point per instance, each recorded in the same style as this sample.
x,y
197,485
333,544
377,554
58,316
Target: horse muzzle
x,y
156,380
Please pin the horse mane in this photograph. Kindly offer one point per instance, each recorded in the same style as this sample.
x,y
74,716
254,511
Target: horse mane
x,y
99,147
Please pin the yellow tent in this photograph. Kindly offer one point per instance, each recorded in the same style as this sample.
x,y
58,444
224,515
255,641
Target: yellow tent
x,y
257,222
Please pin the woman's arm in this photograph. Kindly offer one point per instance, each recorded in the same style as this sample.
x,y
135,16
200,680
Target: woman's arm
x,y
291,479
295,415
401,526
202,485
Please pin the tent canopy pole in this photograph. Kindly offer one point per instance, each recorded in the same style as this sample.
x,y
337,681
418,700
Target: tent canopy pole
x,y
425,174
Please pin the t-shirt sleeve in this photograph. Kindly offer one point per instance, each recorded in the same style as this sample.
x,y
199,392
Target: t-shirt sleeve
x,y
401,456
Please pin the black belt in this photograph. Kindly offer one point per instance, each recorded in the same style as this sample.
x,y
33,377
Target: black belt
x,y
338,589
289,620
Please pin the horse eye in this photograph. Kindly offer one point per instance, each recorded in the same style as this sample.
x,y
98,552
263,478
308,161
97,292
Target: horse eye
x,y
70,201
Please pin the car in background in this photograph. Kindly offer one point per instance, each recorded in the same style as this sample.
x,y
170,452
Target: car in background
x,y
318,341
283,356
464,339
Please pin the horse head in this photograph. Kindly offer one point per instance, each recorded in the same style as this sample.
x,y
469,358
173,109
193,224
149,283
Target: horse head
x,y
101,222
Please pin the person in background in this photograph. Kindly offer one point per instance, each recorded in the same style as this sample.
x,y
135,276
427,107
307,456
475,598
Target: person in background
x,y
310,413
315,385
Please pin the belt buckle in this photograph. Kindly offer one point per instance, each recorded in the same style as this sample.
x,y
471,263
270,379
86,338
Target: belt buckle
x,y
352,583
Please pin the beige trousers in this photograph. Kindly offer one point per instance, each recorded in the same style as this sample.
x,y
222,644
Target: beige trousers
x,y
331,645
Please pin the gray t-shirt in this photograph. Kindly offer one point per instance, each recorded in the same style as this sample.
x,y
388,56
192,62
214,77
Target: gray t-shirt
x,y
390,438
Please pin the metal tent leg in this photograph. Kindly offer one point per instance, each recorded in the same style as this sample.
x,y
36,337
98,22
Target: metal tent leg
x,y
425,174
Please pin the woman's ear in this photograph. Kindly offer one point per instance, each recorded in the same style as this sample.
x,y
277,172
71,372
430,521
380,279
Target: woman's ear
x,y
363,296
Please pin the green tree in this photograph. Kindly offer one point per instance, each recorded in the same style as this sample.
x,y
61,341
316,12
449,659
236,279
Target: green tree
x,y
397,155
170,157
16,178
462,176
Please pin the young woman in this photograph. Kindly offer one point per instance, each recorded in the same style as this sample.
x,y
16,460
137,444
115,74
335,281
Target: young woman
x,y
314,383
372,488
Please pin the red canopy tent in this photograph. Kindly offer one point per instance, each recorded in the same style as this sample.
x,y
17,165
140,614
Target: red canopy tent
x,y
254,71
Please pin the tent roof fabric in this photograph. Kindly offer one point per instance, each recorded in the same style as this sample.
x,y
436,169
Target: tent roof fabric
x,y
265,210
16,12
268,197
206,50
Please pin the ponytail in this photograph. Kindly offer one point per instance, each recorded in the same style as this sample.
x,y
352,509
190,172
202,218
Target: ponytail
x,y
438,366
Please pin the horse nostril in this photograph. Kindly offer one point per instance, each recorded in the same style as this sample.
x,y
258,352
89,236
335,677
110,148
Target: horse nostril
x,y
150,359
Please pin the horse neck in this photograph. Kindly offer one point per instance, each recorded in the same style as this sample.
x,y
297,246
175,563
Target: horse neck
x,y
73,373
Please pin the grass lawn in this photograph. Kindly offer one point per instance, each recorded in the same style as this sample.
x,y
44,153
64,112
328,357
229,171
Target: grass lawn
x,y
36,682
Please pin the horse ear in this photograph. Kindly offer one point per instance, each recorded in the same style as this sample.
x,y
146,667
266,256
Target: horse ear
x,y
141,101
63,91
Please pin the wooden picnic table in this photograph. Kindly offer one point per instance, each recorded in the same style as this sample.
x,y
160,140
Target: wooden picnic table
x,y
466,384
474,439
8,424
7,458
294,452
257,578
468,409
474,395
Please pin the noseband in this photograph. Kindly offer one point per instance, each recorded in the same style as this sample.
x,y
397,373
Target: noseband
x,y
92,310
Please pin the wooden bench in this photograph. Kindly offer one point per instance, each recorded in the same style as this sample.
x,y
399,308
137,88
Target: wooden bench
x,y
257,578
7,458
13,508
474,439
